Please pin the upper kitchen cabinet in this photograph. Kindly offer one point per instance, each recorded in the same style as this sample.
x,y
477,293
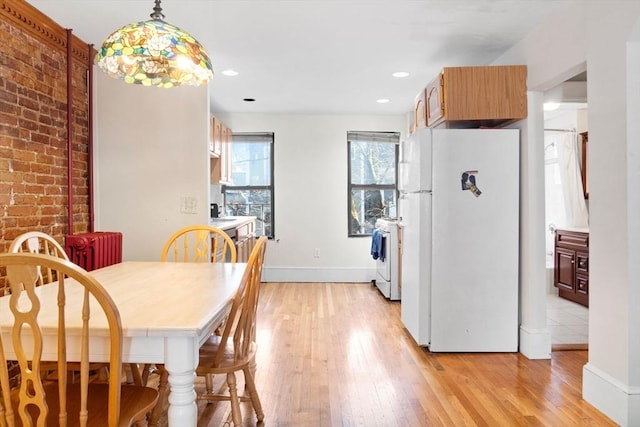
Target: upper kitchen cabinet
x,y
225,156
215,139
419,117
220,153
471,97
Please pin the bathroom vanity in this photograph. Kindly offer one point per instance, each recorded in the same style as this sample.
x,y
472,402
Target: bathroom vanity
x,y
571,265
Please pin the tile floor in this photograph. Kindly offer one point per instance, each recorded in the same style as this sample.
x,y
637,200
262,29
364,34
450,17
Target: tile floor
x,y
567,321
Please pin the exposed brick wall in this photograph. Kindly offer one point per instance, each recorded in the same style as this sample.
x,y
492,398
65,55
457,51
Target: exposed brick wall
x,y
33,131
33,136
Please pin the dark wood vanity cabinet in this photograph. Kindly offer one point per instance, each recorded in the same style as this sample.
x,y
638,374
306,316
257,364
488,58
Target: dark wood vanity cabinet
x,y
571,266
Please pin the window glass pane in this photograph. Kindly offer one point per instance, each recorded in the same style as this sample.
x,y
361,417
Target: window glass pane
x,y
251,203
369,205
372,163
251,191
250,163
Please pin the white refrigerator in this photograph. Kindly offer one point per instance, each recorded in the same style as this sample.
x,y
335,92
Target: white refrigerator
x,y
459,212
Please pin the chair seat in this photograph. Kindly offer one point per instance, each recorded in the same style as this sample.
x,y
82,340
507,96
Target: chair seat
x,y
229,360
135,402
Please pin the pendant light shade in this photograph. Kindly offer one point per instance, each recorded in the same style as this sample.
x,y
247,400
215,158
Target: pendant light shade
x,y
154,53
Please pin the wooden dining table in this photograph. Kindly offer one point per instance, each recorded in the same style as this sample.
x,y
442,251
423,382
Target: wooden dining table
x,y
167,311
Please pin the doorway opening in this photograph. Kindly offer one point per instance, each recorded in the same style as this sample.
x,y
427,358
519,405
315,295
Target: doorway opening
x,y
566,212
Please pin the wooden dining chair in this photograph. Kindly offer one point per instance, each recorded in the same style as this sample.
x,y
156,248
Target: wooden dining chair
x,y
43,243
194,243
235,349
40,402
199,243
38,242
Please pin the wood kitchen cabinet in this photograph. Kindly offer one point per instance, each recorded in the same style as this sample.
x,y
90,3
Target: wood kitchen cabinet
x,y
419,117
225,157
242,230
220,152
215,140
471,97
245,239
571,265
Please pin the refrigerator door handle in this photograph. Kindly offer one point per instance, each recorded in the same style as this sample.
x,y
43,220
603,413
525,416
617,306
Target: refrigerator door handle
x,y
415,192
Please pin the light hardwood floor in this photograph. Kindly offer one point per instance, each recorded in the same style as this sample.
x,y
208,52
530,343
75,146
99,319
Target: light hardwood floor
x,y
336,354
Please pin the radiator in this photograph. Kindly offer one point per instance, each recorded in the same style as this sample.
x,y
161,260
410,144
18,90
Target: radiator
x,y
94,250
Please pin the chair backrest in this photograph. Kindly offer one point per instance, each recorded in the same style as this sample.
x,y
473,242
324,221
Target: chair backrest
x,y
199,243
241,323
38,242
25,305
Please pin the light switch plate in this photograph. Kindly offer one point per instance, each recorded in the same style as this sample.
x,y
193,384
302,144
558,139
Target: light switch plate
x,y
188,205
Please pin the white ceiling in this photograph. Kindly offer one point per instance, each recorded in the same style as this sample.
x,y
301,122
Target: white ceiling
x,y
322,56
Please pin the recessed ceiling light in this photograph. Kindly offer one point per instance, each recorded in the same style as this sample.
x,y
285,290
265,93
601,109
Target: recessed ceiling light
x,y
230,73
400,74
382,101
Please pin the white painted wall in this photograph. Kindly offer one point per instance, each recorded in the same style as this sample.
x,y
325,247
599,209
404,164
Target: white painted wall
x,y
535,340
311,195
150,152
597,32
633,207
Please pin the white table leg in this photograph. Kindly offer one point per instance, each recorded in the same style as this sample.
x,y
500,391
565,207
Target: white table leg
x,y
181,359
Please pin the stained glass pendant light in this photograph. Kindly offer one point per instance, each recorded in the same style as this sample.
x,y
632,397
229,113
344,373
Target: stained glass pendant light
x,y
154,53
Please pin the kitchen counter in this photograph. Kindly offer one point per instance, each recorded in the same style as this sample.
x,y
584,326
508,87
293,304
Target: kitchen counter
x,y
241,229
231,222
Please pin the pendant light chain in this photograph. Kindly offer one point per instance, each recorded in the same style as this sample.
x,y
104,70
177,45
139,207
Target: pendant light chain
x,y
157,12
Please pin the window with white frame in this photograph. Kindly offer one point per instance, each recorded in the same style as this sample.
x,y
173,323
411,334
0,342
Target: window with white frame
x,y
372,177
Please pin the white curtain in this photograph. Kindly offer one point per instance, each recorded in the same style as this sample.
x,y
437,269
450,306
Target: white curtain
x,y
575,207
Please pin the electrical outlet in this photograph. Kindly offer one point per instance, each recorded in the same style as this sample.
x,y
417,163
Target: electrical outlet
x,y
316,253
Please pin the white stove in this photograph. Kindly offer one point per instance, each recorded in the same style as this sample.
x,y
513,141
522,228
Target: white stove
x,y
388,267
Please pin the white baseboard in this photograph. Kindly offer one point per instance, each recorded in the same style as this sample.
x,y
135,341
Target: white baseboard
x,y
310,274
535,343
616,400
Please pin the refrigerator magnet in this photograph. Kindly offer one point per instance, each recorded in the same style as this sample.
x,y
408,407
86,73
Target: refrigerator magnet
x,y
468,180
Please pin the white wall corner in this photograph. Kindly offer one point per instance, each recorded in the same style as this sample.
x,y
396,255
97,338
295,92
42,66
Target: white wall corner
x,y
314,274
535,343
610,396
